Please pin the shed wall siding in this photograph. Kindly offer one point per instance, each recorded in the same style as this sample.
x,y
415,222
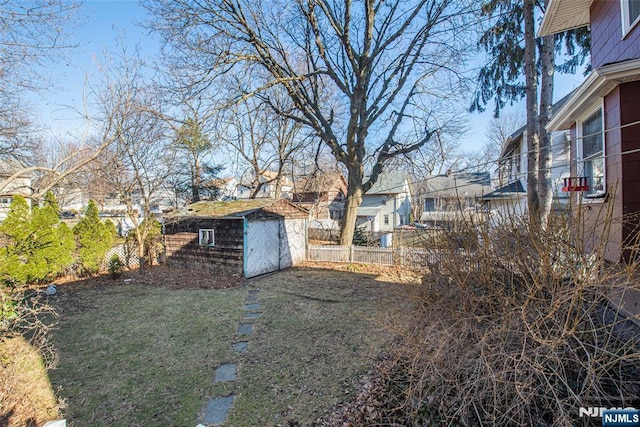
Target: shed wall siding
x,y
293,242
182,248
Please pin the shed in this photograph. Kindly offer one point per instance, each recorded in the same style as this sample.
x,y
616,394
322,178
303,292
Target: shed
x,y
249,237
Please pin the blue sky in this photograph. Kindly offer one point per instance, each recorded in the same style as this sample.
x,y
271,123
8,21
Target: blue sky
x,y
104,20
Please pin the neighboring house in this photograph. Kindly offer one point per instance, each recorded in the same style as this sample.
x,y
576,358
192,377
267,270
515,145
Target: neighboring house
x,y
249,237
322,194
269,180
387,204
603,116
8,189
510,195
453,197
227,188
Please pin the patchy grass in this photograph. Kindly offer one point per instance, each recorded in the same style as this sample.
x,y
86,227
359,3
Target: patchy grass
x,y
140,354
26,397
319,334
145,354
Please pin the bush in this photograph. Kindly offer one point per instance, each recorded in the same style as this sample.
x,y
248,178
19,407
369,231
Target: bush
x,y
39,247
115,266
94,239
515,329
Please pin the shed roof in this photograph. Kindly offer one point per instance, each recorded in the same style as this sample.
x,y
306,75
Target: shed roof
x,y
235,209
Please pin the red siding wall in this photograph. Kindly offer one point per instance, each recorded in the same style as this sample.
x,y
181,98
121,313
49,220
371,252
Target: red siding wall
x,y
630,113
595,213
607,46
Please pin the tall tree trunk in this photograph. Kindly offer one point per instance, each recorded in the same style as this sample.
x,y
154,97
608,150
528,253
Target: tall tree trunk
x,y
354,199
545,189
531,82
195,181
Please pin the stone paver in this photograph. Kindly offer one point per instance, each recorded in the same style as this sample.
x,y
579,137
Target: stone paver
x,y
218,409
245,329
226,372
241,346
252,315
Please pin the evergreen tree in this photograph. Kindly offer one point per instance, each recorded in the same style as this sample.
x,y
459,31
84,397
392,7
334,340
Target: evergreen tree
x,y
93,239
521,66
54,240
39,247
16,229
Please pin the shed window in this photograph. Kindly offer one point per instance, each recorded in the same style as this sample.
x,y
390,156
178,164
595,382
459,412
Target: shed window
x,y
386,220
206,237
630,15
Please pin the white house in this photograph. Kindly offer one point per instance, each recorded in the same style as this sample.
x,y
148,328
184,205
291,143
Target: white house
x,y
510,194
387,204
12,187
268,179
227,188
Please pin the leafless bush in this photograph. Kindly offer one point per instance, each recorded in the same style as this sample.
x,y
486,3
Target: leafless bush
x,y
26,312
515,327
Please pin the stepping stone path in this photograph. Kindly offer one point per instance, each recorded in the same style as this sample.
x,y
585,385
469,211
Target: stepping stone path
x,y
218,408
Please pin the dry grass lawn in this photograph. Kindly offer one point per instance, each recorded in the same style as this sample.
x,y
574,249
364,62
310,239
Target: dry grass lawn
x,y
143,352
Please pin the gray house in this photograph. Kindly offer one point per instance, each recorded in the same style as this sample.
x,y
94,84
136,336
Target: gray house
x,y
453,197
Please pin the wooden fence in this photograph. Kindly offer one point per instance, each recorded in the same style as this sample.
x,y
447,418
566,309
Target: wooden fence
x,y
408,257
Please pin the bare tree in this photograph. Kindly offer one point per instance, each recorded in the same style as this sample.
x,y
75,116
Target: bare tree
x,y
500,129
32,34
374,59
264,140
134,164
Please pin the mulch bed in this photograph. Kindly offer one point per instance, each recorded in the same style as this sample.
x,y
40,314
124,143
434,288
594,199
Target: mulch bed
x,y
159,275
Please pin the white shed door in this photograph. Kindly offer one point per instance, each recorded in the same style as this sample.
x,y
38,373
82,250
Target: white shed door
x,y
262,254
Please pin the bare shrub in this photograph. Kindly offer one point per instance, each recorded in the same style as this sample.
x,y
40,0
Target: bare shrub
x,y
515,327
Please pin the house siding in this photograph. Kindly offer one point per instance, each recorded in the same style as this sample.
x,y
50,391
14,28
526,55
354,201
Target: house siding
x,y
607,46
630,136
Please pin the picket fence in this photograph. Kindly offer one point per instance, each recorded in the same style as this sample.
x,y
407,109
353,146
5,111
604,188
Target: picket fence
x,y
408,257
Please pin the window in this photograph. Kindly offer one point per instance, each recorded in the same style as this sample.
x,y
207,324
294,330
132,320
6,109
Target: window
x,y
630,15
429,205
386,220
591,151
5,200
206,237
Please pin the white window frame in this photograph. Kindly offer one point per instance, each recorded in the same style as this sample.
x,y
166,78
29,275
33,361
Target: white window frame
x,y
203,237
592,193
627,26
